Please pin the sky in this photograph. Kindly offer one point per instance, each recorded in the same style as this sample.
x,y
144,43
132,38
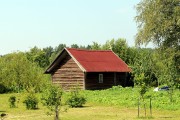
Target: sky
x,y
42,23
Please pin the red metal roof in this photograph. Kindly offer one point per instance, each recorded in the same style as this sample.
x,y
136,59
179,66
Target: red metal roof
x,y
98,60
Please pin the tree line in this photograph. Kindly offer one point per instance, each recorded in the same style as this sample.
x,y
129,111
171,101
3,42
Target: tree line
x,y
24,70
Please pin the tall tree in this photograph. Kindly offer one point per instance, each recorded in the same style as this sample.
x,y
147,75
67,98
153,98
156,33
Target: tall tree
x,y
38,56
158,22
95,46
74,46
56,51
48,51
119,46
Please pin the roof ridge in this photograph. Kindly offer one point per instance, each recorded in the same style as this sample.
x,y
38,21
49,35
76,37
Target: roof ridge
x,y
89,50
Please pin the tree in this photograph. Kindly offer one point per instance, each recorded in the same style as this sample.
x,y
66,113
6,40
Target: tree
x,y
109,45
158,22
38,56
18,73
48,51
143,68
119,46
74,46
143,72
52,99
56,51
166,70
59,48
96,46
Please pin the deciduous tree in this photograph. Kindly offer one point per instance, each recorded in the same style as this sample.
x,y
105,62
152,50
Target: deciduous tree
x,y
158,22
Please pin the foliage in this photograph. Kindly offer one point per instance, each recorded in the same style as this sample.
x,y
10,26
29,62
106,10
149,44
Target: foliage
x,y
118,46
18,73
75,100
3,89
74,46
12,101
56,51
143,68
39,57
158,22
128,97
52,99
166,70
168,73
95,46
31,101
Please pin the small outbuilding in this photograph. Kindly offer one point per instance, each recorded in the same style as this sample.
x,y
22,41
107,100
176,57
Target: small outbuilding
x,y
89,69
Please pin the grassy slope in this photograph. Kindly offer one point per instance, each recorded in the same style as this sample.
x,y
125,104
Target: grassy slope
x,y
93,110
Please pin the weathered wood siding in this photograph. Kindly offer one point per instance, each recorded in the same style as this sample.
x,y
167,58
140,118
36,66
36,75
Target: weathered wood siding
x,y
68,74
121,79
92,81
109,79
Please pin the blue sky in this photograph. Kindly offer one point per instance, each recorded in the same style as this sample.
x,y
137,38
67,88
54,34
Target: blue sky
x,y
42,23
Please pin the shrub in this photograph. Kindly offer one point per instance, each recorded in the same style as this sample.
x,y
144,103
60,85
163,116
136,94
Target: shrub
x,y
31,101
12,101
75,99
3,89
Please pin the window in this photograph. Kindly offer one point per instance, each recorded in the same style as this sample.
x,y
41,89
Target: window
x,y
100,78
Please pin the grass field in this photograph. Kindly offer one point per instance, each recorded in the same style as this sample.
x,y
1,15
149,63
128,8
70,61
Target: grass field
x,y
93,110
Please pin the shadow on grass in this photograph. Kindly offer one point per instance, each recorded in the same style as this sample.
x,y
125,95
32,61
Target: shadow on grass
x,y
166,117
147,117
33,109
81,107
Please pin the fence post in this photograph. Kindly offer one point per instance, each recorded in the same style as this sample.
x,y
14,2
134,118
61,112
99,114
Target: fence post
x,y
150,108
138,106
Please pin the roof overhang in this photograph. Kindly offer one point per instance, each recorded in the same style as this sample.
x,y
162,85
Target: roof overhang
x,y
59,58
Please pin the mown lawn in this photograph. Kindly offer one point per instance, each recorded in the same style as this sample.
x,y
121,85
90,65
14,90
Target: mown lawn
x,y
98,107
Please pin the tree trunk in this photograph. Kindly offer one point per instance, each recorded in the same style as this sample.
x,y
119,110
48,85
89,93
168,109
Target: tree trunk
x,y
145,109
56,113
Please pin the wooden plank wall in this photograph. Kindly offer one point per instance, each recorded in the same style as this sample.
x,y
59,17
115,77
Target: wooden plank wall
x,y
121,79
92,80
68,75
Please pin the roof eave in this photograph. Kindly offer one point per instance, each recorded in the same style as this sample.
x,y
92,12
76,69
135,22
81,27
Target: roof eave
x,y
51,66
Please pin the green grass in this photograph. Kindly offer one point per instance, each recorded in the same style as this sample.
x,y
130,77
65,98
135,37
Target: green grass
x,y
111,104
128,97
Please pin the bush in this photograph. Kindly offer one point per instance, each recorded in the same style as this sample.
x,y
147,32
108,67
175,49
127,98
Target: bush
x,y
12,101
3,89
75,99
31,101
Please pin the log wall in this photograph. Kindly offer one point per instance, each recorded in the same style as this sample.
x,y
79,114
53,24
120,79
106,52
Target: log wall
x,y
92,81
68,74
121,79
109,79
